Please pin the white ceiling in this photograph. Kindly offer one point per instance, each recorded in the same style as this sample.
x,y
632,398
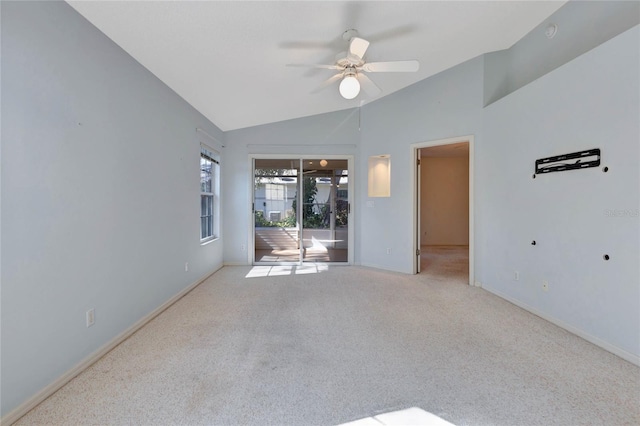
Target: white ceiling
x,y
227,58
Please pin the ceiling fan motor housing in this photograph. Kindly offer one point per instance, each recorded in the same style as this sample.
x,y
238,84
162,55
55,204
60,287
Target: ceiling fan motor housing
x,y
344,59
350,72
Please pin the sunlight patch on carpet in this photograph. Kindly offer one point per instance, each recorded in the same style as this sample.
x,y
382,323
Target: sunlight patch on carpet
x,y
413,416
276,271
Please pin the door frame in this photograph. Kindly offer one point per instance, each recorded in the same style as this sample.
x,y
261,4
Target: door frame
x,y
350,188
415,148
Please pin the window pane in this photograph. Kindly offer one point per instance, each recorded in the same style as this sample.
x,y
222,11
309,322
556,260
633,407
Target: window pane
x,y
212,175
205,175
209,170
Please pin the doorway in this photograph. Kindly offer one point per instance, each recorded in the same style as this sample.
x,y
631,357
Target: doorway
x,y
443,206
302,210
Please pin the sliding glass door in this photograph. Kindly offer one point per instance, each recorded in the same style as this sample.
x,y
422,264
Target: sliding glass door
x,y
325,215
276,224
301,210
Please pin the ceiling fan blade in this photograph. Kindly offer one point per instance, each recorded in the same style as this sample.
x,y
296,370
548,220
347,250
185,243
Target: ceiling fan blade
x,y
358,47
392,66
392,33
328,67
369,86
327,83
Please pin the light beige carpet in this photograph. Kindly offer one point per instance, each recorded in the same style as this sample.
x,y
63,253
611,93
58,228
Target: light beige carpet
x,y
409,416
323,345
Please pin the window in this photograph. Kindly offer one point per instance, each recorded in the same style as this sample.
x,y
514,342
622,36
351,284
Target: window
x,y
209,189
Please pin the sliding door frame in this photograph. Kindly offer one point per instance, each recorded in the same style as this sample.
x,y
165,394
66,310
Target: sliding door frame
x,y
300,157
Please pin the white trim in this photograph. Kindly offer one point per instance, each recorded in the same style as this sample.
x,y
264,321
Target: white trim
x,y
414,170
15,414
627,356
418,196
384,268
206,242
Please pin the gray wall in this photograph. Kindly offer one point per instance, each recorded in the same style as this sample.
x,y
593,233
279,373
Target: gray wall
x,y
100,194
575,216
582,25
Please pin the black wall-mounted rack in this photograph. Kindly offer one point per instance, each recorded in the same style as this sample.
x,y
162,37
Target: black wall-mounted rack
x,y
575,160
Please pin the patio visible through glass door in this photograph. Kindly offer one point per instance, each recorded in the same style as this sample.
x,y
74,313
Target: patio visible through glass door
x,y
276,230
325,210
301,211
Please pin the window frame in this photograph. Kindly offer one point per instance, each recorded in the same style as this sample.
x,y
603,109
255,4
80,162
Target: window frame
x,y
210,213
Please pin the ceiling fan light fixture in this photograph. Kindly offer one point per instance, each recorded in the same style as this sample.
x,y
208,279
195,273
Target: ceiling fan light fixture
x,y
349,87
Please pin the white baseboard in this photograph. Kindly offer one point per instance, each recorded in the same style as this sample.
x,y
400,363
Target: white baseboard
x,y
48,390
236,264
627,356
384,268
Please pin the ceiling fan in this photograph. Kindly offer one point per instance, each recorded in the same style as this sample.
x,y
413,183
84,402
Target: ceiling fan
x,y
351,67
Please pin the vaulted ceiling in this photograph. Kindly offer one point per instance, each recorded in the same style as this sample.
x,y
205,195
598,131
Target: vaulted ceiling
x,y
228,58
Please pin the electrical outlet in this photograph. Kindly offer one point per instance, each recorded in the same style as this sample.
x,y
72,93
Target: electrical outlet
x,y
186,266
545,286
90,317
516,276
242,247
388,250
